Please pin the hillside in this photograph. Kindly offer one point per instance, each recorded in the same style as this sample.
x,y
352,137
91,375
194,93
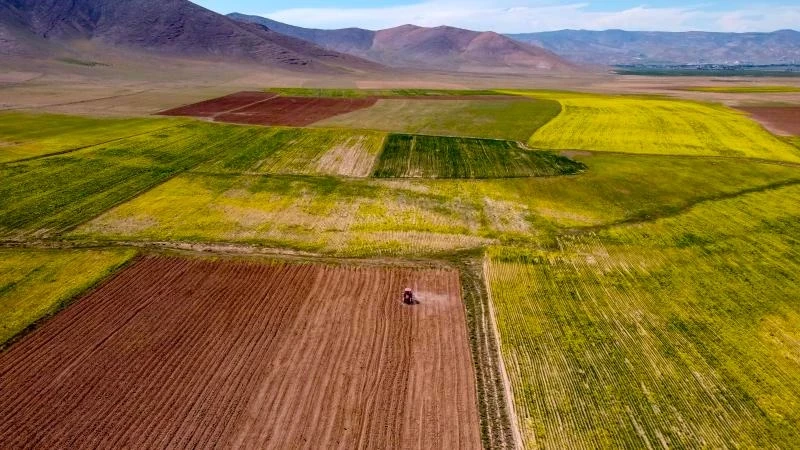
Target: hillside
x,y
168,27
633,47
439,48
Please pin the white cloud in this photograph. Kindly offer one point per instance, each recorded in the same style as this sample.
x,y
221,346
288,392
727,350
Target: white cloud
x,y
510,17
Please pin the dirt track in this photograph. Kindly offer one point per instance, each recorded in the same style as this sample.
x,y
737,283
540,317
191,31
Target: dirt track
x,y
176,353
295,111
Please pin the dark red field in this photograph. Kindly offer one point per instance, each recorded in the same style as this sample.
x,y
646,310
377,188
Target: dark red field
x,y
294,111
211,108
778,119
183,353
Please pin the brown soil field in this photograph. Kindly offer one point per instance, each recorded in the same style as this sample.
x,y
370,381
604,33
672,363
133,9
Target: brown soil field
x,y
210,108
778,119
294,111
194,353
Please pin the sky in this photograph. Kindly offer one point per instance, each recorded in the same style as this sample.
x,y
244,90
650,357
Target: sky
x,y
519,16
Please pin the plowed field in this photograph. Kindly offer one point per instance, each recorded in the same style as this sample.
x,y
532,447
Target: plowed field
x,y
176,353
210,108
779,119
295,111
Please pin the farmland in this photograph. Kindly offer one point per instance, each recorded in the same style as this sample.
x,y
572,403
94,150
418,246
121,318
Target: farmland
x,y
260,355
294,111
300,151
419,156
756,89
25,135
612,342
216,106
381,93
652,125
512,119
780,119
36,283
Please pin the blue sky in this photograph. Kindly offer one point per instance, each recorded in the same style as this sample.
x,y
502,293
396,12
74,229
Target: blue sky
x,y
515,16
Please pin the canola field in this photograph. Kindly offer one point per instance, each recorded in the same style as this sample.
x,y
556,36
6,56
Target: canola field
x,y
677,333
36,283
653,125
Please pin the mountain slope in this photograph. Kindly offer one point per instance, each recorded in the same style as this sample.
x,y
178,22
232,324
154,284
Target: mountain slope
x,y
439,48
631,47
171,27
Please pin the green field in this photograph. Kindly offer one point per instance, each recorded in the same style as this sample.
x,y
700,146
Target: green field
x,y
683,332
299,151
514,119
419,156
651,125
25,135
48,195
36,283
744,89
353,217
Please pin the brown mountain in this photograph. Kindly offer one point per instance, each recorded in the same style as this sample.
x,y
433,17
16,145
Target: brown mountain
x,y
439,48
166,27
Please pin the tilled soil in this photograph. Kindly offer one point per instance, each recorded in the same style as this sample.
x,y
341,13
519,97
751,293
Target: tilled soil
x,y
189,353
210,108
778,119
295,111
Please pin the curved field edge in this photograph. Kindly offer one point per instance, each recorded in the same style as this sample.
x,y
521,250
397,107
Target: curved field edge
x,y
674,333
655,125
35,284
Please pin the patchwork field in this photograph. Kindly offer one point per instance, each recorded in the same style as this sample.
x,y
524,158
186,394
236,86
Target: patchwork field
x,y
680,332
294,111
512,119
759,89
299,151
418,217
652,125
419,156
25,135
36,283
779,119
216,106
195,353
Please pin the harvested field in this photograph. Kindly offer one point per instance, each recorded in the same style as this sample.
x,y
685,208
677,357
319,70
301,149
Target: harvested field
x,y
778,119
294,111
215,106
196,353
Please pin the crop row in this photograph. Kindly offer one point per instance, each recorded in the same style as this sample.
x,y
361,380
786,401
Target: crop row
x,y
677,333
419,156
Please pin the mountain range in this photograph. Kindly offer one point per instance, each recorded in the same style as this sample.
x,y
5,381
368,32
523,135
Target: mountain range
x,y
438,48
613,47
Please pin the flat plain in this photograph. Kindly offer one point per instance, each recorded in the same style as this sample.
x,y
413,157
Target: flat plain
x,y
190,353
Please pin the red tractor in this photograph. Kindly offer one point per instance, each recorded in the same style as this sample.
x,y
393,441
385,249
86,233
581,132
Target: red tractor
x,y
408,297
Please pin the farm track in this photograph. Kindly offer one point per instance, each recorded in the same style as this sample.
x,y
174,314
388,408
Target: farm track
x,y
187,353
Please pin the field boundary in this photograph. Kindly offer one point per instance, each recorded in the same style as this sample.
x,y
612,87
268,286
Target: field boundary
x,y
501,367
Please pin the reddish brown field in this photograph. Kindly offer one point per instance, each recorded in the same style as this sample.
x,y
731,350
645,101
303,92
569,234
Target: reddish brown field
x,y
294,111
778,119
180,353
211,108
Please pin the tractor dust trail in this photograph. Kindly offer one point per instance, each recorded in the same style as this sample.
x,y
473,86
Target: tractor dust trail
x,y
189,353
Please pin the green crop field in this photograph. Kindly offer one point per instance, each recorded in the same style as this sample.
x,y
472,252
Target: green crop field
x,y
415,216
300,151
652,125
25,135
682,332
744,89
513,119
35,283
48,195
420,156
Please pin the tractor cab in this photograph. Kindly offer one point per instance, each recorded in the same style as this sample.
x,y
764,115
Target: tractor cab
x,y
408,297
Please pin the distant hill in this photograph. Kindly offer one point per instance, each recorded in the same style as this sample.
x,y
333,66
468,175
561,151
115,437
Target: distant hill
x,y
439,48
168,27
644,47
